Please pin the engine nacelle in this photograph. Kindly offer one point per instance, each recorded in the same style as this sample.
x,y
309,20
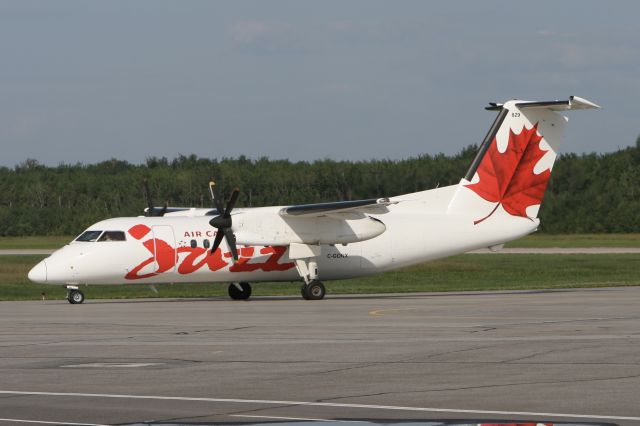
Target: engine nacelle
x,y
256,229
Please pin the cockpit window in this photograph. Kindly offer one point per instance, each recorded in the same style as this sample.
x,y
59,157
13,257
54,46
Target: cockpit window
x,y
89,236
112,236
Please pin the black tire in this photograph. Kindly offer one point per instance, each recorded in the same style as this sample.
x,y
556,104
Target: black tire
x,y
313,291
75,297
236,294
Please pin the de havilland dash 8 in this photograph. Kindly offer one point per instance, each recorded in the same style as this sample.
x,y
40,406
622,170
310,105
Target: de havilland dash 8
x,y
496,201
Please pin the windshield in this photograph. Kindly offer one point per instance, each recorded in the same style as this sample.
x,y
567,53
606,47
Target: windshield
x,y
112,236
89,236
101,236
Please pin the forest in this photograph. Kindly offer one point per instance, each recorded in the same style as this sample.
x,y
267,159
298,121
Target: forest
x,y
594,193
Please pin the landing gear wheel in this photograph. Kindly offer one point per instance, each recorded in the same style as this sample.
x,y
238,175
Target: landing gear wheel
x,y
313,291
75,297
242,293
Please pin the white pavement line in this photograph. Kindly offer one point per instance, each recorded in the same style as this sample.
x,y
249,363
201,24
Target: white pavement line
x,y
294,418
50,423
318,404
112,365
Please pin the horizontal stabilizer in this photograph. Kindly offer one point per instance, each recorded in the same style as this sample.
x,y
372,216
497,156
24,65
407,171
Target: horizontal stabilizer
x,y
574,102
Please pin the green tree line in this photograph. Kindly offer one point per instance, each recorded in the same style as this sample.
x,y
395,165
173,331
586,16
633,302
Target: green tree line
x,y
586,193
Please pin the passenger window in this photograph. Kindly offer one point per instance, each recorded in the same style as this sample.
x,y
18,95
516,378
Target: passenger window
x,y
205,243
89,236
113,236
194,244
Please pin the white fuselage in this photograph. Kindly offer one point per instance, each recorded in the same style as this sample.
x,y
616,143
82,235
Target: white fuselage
x,y
498,200
172,249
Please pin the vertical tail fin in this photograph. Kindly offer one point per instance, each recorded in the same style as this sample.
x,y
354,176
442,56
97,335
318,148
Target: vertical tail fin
x,y
510,172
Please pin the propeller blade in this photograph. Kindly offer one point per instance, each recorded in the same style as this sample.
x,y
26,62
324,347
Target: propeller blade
x,y
151,210
147,197
164,209
223,222
231,241
232,202
217,202
212,185
219,205
217,241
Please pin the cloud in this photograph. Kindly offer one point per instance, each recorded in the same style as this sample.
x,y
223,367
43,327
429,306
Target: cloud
x,y
247,32
546,33
372,32
19,127
601,55
263,37
260,37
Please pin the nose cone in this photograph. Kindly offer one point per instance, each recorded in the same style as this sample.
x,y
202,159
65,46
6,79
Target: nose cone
x,y
38,274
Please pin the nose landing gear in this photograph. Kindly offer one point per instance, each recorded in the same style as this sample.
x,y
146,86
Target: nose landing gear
x,y
74,296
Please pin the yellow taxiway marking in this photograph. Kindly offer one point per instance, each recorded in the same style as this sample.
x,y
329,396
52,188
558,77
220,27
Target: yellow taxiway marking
x,y
381,312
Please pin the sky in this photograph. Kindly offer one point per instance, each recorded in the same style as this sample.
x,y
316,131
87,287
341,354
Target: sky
x,y
87,81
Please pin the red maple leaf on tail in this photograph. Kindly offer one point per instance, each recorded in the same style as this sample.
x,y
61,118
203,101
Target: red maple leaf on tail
x,y
508,178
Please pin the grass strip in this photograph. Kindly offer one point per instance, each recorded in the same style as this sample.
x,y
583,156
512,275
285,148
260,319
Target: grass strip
x,y
576,241
34,242
470,272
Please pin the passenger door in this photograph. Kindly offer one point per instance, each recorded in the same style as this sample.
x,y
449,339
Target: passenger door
x,y
164,248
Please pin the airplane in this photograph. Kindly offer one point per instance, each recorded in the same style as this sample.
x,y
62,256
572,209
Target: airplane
x,y
496,201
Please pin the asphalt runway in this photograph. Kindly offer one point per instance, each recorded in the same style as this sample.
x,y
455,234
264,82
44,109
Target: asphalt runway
x,y
541,355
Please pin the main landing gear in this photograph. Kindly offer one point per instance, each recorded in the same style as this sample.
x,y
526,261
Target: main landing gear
x,y
305,256
314,290
239,291
74,296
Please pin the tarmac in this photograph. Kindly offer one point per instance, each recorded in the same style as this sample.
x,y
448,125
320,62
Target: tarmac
x,y
569,356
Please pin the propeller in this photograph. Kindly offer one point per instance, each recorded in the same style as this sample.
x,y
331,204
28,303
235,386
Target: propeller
x,y
151,210
223,222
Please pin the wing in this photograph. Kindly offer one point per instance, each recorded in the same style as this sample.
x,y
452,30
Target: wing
x,y
371,205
